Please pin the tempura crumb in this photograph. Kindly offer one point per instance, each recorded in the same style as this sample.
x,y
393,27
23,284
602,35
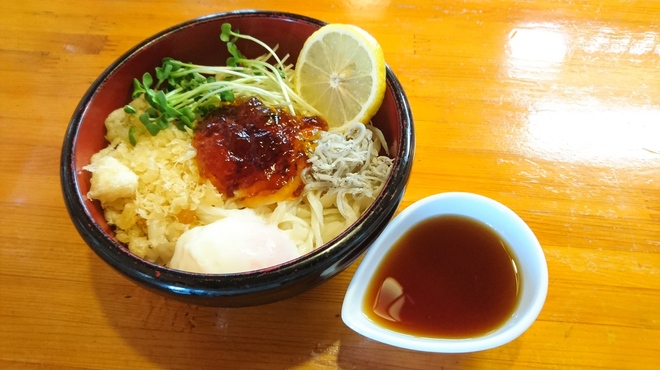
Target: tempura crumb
x,y
111,180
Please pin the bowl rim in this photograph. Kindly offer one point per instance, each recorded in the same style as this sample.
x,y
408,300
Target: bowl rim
x,y
182,283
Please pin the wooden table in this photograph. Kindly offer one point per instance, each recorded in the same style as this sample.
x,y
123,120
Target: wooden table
x,y
550,107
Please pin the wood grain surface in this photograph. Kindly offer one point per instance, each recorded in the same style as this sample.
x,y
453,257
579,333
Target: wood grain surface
x,y
550,107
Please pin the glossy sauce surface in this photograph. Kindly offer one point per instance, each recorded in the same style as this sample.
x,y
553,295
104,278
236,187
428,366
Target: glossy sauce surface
x,y
254,152
447,277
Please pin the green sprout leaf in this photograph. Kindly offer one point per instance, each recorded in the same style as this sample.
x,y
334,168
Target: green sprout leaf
x,y
131,135
151,126
138,88
147,80
225,34
163,73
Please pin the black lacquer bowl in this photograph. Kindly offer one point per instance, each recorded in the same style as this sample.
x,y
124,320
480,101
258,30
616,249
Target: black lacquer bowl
x,y
197,41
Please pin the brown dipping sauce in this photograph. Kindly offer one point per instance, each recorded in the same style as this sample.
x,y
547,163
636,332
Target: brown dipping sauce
x,y
447,277
255,153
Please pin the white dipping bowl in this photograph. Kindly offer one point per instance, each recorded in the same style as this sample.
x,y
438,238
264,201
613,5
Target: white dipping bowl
x,y
523,246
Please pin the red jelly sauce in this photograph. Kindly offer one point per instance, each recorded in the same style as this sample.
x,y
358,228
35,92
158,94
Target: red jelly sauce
x,y
254,153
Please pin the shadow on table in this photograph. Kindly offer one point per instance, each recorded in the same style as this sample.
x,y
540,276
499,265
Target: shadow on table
x,y
303,330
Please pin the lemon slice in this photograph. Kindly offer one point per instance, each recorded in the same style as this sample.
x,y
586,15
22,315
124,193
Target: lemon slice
x,y
341,73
